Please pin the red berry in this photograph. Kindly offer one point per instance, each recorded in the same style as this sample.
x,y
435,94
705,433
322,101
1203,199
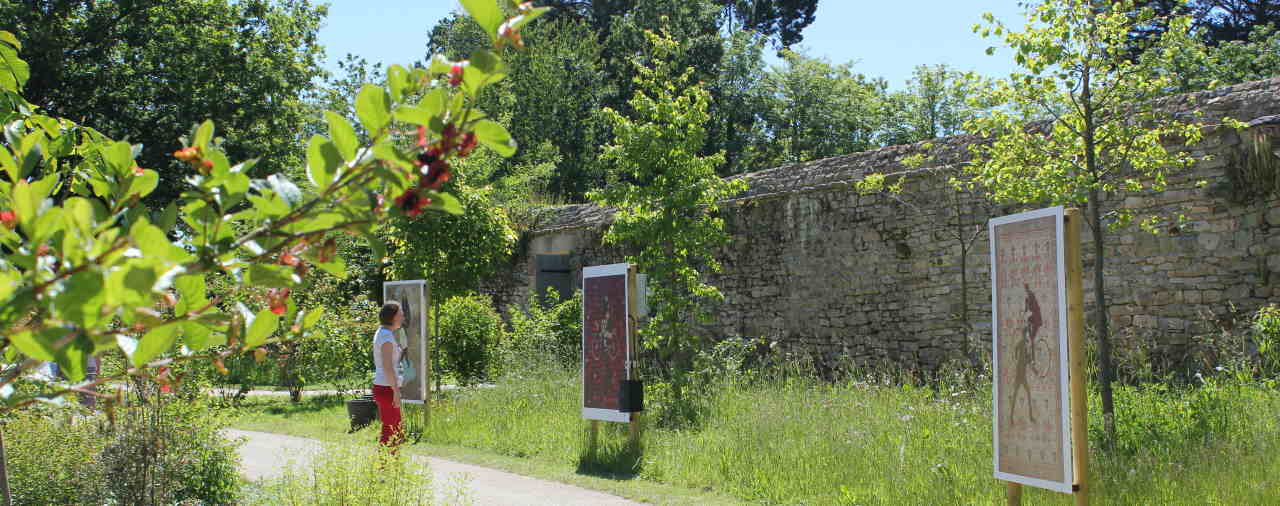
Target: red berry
x,y
9,219
455,75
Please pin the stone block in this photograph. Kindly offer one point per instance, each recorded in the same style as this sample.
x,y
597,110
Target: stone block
x,y
1273,217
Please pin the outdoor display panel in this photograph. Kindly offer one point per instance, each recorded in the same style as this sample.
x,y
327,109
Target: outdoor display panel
x,y
412,336
605,341
1032,427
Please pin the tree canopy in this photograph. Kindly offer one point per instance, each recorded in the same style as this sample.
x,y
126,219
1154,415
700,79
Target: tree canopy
x,y
146,70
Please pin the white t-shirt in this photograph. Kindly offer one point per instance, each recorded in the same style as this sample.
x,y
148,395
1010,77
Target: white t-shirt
x,y
383,372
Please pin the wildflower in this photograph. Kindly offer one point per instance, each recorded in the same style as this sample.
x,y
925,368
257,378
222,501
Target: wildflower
x,y
468,144
448,139
455,75
9,219
410,203
277,299
509,35
434,170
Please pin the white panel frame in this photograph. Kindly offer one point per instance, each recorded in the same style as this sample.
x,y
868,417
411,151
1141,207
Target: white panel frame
x,y
608,415
422,343
1066,486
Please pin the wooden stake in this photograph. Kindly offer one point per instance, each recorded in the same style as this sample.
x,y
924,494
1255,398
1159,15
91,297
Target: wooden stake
x,y
633,293
591,439
1013,493
1075,351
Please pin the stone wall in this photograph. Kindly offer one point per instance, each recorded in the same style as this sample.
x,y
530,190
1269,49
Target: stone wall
x,y
817,267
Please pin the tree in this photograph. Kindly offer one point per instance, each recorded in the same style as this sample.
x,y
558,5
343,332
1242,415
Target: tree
x,y
783,19
1104,137
738,103
146,70
666,198
934,104
818,110
95,270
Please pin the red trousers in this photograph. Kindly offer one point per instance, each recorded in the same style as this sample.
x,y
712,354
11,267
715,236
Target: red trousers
x,y
384,396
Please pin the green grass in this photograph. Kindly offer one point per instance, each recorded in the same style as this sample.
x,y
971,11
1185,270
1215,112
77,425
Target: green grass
x,y
803,441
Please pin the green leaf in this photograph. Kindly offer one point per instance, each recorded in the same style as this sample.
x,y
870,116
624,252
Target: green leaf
x,y
82,298
9,38
198,337
322,158
204,134
169,217
398,80
269,276
145,184
156,341
433,101
337,268
312,317
487,14
413,115
14,72
24,202
119,156
35,346
191,293
495,136
445,202
71,358
263,325
373,107
343,134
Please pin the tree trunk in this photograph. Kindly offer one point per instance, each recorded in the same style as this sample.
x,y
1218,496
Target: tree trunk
x,y
1095,220
1105,372
4,473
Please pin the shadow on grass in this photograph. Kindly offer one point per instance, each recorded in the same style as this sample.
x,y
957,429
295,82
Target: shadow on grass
x,y
620,460
288,409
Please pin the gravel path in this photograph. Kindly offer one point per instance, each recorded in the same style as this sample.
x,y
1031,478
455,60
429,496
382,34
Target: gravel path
x,y
264,455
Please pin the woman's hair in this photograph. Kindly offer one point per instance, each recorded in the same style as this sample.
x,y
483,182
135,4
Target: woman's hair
x,y
388,312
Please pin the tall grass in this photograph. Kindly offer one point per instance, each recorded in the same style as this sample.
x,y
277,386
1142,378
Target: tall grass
x,y
789,439
343,474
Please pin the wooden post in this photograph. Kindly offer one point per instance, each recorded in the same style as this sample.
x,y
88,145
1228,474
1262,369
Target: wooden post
x,y
633,291
1075,347
4,473
591,438
427,342
1013,493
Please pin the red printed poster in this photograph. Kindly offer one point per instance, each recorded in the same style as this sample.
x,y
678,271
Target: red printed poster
x,y
605,349
1032,429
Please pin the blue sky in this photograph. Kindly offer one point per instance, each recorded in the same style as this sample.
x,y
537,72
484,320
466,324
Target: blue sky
x,y
884,39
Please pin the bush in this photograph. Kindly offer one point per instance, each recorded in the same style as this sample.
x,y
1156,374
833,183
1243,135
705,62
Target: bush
x,y
536,335
166,451
469,330
49,451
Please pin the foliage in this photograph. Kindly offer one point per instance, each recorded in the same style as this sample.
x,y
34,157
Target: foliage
x,y
1266,333
347,474
146,70
1104,137
1194,66
165,452
469,331
819,110
46,451
778,436
453,253
667,198
739,100
87,268
535,334
160,450
934,104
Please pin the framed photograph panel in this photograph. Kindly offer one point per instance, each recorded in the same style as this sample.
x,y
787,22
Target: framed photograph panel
x,y
412,337
606,348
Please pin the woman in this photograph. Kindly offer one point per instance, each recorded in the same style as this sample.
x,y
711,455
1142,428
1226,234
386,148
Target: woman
x,y
386,383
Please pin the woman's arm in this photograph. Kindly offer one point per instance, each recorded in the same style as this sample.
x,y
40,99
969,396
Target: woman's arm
x,y
389,365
